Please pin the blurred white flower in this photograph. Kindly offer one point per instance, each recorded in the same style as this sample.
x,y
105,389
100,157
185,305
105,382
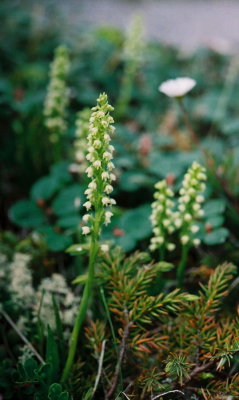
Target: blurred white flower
x,y
177,87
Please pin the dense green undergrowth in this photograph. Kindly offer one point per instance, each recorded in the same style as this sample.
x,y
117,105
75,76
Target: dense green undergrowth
x,y
118,254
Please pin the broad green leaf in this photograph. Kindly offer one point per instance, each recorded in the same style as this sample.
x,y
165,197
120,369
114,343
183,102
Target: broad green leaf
x,y
215,221
136,222
217,236
55,241
69,221
45,188
60,171
26,214
69,200
131,181
214,207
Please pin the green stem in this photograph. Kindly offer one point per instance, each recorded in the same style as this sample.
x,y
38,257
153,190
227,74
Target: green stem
x,y
162,253
187,122
182,265
84,302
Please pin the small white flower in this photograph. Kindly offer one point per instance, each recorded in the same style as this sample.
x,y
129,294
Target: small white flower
x,y
105,175
171,246
200,198
104,247
111,148
187,217
159,239
196,207
202,176
166,223
97,164
92,185
108,189
184,239
88,192
191,191
181,207
200,213
196,242
108,216
87,205
107,156
112,177
105,201
89,172
112,202
90,157
194,228
110,166
86,217
156,231
85,230
177,87
97,143
178,222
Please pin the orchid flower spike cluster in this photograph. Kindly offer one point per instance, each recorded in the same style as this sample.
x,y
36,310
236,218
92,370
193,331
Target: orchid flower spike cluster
x,y
80,143
57,95
134,44
190,204
162,217
100,154
165,220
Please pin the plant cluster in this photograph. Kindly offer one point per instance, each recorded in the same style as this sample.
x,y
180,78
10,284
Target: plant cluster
x,y
112,322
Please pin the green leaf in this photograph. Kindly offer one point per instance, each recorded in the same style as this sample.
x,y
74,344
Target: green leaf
x,y
60,171
131,181
136,222
126,242
68,221
26,214
59,326
55,393
88,394
214,207
215,221
52,356
164,266
68,201
55,241
77,249
217,236
45,188
27,370
162,164
80,279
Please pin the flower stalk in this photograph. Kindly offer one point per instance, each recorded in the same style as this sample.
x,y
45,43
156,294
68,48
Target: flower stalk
x,y
100,172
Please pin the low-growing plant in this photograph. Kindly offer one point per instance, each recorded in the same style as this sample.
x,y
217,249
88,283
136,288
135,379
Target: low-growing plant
x,y
158,323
